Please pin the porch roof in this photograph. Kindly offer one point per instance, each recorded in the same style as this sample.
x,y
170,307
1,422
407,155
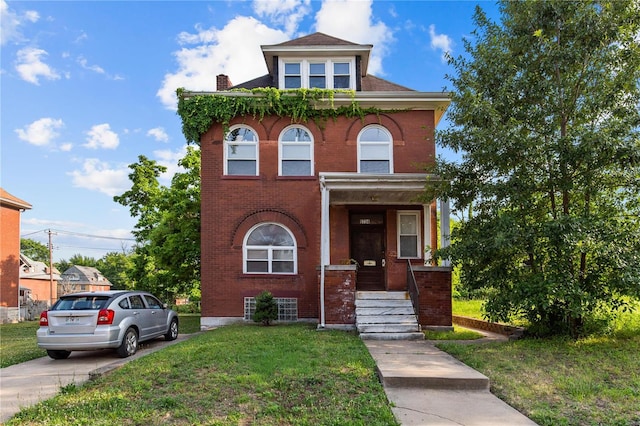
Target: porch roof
x,y
365,188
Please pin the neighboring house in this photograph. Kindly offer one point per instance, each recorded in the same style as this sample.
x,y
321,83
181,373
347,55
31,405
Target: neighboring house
x,y
82,278
38,287
317,213
10,209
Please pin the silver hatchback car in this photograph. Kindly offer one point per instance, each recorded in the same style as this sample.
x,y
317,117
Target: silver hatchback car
x,y
116,319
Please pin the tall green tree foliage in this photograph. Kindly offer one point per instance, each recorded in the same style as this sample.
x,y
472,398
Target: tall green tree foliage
x,y
167,256
546,116
34,250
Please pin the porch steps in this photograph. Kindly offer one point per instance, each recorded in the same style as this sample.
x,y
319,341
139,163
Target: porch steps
x,y
386,315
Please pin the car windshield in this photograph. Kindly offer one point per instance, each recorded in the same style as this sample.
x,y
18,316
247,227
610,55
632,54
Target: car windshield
x,y
80,303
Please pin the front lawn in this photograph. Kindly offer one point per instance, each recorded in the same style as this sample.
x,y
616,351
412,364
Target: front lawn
x,y
234,375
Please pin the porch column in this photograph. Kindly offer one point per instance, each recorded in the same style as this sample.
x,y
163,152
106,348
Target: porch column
x,y
445,232
324,243
426,220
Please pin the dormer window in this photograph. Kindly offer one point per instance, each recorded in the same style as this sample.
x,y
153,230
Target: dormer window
x,y
320,73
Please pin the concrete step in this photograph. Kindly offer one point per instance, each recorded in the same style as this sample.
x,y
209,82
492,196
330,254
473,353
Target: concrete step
x,y
402,310
388,328
392,336
422,365
375,303
386,319
395,295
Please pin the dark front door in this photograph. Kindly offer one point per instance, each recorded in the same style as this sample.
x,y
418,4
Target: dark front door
x,y
367,248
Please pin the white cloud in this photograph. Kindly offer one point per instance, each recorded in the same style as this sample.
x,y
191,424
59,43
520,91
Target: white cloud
x,y
101,136
41,132
97,175
66,147
233,50
30,66
169,159
85,64
159,134
353,21
10,23
287,13
440,42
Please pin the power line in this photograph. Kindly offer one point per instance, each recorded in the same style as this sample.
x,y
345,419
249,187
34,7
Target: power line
x,y
78,234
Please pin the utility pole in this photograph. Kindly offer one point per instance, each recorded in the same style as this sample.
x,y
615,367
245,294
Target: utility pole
x,y
50,268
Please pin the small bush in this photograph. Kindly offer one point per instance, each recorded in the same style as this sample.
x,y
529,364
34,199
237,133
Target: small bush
x,y
266,308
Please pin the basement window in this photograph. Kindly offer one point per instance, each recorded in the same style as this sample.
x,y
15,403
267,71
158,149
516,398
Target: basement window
x,y
287,308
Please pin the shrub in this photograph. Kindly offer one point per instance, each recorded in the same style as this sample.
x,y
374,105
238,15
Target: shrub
x,y
266,308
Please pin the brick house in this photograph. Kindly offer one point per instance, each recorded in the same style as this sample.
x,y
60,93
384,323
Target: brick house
x,y
82,278
37,280
10,209
327,216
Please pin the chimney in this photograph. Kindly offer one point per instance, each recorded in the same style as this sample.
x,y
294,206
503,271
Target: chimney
x,y
222,82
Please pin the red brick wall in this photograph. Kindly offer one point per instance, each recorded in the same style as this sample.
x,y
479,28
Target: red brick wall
x,y
340,294
434,284
232,205
9,256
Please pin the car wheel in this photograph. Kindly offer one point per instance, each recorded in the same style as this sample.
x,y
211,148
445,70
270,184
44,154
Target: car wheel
x,y
129,344
172,333
59,354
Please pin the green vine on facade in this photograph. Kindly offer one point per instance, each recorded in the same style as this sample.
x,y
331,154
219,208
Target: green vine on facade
x,y
200,111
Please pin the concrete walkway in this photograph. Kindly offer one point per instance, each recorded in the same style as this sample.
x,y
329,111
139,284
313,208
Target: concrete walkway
x,y
430,387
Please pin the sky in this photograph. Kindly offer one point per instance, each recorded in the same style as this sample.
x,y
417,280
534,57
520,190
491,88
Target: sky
x,y
88,86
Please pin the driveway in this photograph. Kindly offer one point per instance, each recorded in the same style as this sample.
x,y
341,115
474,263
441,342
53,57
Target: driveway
x,y
26,384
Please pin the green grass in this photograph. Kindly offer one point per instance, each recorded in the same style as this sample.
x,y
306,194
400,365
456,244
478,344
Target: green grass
x,y
18,341
233,375
458,333
559,381
468,308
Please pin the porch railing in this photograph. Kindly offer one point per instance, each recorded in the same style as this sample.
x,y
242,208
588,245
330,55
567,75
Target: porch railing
x,y
412,288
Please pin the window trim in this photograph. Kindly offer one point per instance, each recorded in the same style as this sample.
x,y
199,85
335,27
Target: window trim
x,y
226,143
305,70
416,214
246,248
282,143
389,143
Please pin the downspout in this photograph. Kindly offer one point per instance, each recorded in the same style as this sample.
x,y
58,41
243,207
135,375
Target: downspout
x,y
324,239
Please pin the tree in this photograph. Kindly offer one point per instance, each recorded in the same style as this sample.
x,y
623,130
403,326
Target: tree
x,y
266,308
34,250
167,257
545,114
117,268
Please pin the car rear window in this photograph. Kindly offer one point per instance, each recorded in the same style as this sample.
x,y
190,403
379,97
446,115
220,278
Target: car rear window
x,y
80,303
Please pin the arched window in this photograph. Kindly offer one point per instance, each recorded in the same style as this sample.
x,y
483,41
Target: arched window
x,y
241,152
296,152
375,150
270,248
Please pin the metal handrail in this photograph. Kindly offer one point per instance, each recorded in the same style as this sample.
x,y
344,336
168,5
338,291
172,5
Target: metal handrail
x,y
412,288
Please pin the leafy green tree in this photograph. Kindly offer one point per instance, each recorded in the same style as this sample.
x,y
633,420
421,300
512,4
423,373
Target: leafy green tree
x,y
167,257
117,268
34,250
545,114
80,260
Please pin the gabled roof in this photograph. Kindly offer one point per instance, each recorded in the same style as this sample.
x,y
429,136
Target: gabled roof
x,y
317,44
9,200
87,274
36,270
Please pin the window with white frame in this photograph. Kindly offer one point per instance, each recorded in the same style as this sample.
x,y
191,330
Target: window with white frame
x,y
292,75
322,73
375,149
296,152
241,152
269,248
408,234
